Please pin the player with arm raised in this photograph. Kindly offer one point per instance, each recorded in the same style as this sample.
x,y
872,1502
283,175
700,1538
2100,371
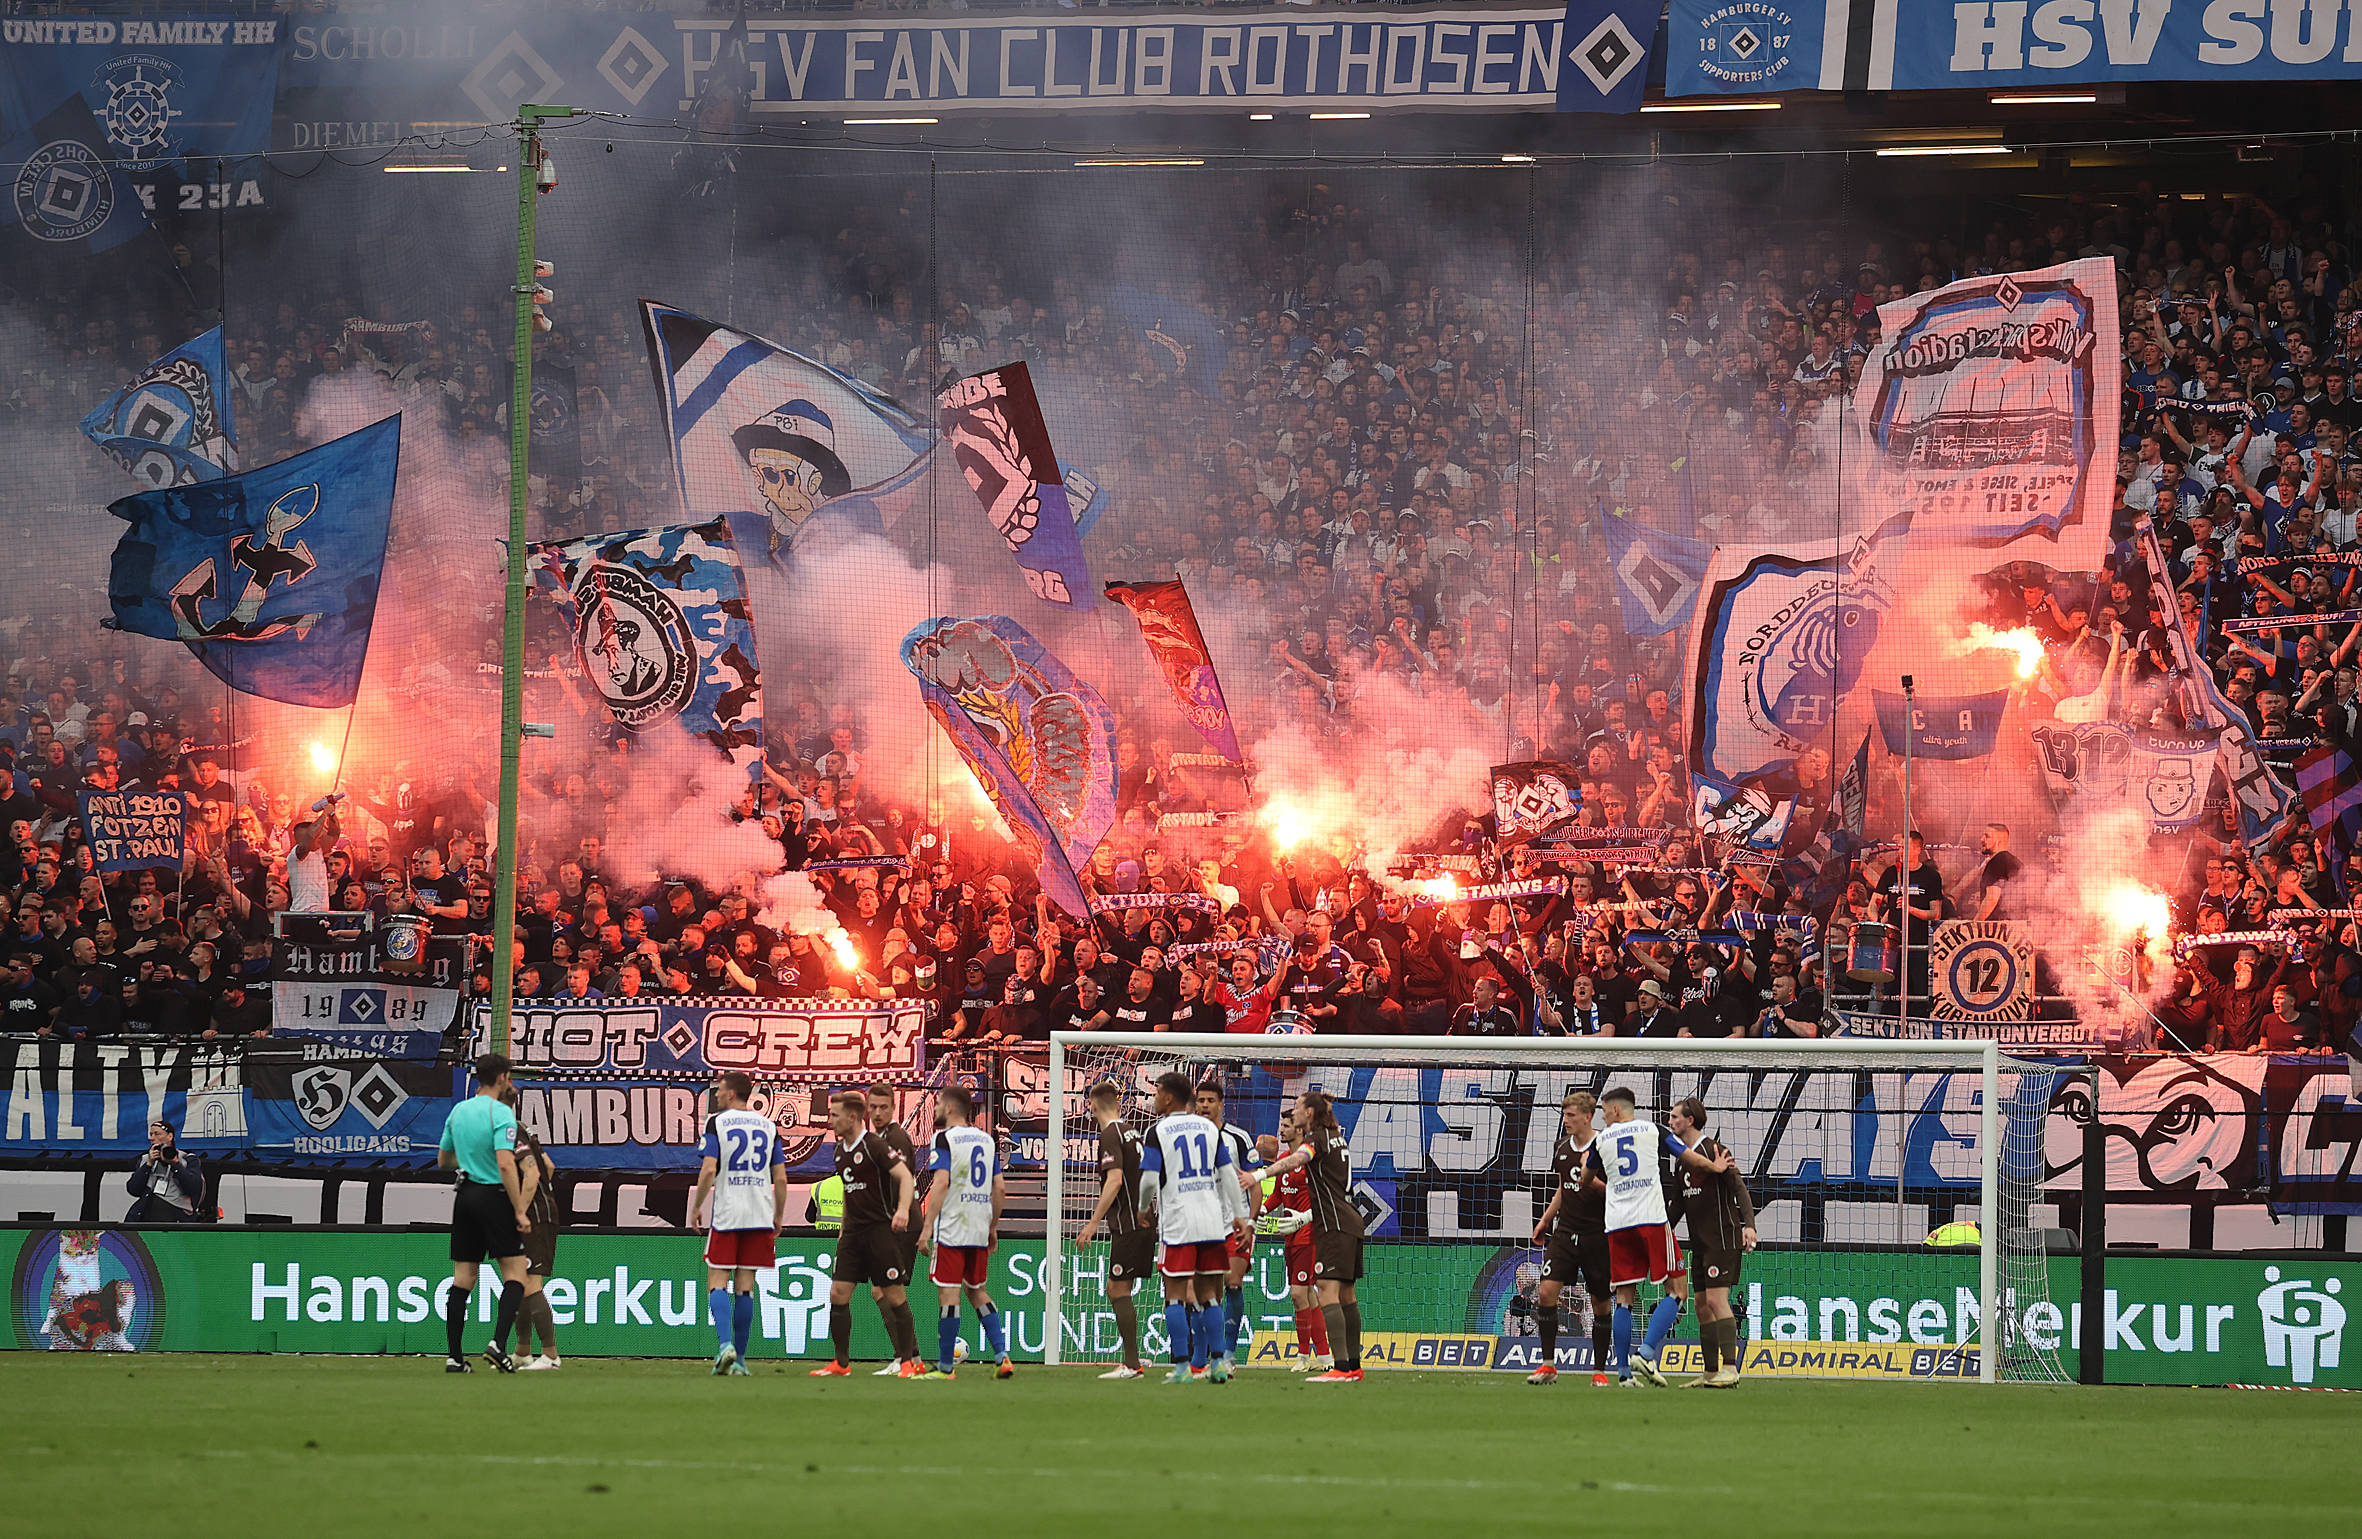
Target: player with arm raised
x,y
1287,1211
877,1185
962,1222
1131,1243
1327,1160
1187,1179
1247,1161
1721,1232
1573,1234
746,1171
1640,1244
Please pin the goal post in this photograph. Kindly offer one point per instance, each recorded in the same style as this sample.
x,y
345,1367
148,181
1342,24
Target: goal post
x,y
1866,1159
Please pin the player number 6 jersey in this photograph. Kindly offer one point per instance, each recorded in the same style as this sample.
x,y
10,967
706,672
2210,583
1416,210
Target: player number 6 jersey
x,y
744,1146
970,1157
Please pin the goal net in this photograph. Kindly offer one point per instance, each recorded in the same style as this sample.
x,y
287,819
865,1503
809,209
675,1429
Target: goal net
x,y
1895,1185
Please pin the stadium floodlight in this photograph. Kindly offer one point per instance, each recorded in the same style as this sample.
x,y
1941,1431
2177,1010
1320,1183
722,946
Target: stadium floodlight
x,y
1335,117
2044,98
1751,105
1894,1181
888,122
1905,151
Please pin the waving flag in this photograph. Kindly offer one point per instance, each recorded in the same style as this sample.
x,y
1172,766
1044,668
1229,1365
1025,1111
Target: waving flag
x,y
1169,625
556,422
2101,767
1534,798
1040,741
70,195
993,424
1087,495
1780,640
1851,811
1940,727
1606,60
662,630
173,425
1992,408
270,576
1179,334
760,431
1657,574
1749,817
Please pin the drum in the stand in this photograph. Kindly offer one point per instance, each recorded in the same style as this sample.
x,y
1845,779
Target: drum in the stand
x,y
1871,957
401,944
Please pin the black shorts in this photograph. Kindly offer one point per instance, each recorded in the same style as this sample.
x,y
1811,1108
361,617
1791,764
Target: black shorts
x,y
483,1224
906,1250
1336,1257
1132,1257
1577,1258
541,1248
872,1254
1715,1268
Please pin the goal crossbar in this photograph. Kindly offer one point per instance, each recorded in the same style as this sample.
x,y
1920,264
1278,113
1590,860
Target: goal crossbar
x,y
1984,1059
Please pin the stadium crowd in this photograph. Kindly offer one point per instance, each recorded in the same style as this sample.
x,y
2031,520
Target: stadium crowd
x,y
1389,485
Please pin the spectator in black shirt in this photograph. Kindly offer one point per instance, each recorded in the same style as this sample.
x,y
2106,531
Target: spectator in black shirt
x,y
2000,869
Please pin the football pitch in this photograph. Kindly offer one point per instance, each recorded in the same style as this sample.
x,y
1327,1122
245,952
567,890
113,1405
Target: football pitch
x,y
263,1446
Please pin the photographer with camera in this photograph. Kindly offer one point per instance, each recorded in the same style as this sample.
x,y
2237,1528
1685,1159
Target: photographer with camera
x,y
167,1185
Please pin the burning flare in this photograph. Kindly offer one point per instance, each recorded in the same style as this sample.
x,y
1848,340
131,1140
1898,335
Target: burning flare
x,y
847,956
2132,909
1442,889
1288,824
322,760
2024,643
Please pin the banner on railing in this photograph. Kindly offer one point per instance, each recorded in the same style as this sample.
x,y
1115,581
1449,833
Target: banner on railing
x,y
98,1098
694,1037
457,65
1752,47
334,982
306,1109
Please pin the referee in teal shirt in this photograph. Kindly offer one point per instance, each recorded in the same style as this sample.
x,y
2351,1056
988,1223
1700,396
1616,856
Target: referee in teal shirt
x,y
488,1212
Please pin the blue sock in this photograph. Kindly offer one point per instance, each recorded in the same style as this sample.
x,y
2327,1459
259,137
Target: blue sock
x,y
742,1323
1660,1322
947,1337
991,1321
718,1310
1623,1340
1216,1341
1234,1304
1177,1327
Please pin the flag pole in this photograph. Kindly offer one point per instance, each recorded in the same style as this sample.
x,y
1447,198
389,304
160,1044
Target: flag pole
x,y
512,651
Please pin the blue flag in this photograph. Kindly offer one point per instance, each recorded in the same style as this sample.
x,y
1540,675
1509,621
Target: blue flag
x,y
1748,816
1039,740
662,630
1181,335
1087,495
66,194
1605,60
161,87
174,425
1852,811
993,425
270,576
769,434
1941,727
1657,574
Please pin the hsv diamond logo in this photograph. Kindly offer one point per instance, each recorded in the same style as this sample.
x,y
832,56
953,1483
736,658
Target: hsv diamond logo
x,y
679,1039
1609,54
1747,45
361,1007
510,76
377,1097
631,64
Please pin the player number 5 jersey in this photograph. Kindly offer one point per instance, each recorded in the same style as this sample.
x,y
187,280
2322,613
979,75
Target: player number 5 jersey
x,y
1197,1185
744,1147
1626,1157
971,1159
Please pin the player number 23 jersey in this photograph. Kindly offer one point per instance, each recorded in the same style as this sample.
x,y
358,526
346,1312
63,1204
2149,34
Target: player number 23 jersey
x,y
969,1156
744,1147
1626,1157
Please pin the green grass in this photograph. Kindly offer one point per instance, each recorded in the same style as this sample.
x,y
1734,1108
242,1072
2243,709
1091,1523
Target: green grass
x,y
254,1447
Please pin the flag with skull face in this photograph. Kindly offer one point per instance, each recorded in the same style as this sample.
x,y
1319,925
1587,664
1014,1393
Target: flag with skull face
x,y
784,442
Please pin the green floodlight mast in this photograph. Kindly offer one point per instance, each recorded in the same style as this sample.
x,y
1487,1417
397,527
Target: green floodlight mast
x,y
535,176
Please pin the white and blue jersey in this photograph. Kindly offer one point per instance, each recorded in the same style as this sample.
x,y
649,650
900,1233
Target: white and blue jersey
x,y
744,1147
972,1160
1197,1192
1626,1156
